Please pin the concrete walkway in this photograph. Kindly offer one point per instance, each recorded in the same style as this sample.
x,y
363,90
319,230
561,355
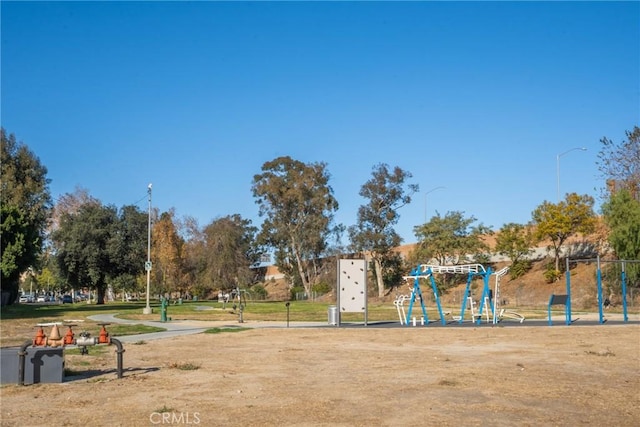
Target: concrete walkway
x,y
176,328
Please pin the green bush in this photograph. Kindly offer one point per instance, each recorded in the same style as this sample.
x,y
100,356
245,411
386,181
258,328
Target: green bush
x,y
258,292
296,290
520,268
321,288
552,275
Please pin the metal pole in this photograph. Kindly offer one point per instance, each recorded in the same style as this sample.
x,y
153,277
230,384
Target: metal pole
x,y
147,266
624,295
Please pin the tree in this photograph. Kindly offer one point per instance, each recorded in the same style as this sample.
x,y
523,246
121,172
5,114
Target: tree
x,y
194,258
559,221
619,163
82,247
127,247
622,215
515,241
70,203
387,191
166,253
230,252
24,210
450,239
299,207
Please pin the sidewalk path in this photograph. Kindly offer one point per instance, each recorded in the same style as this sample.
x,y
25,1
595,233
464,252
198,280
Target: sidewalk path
x,y
176,328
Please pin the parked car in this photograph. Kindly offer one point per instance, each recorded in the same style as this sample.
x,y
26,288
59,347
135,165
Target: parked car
x,y
66,299
41,298
25,298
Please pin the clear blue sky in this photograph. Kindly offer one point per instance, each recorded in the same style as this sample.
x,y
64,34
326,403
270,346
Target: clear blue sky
x,y
194,97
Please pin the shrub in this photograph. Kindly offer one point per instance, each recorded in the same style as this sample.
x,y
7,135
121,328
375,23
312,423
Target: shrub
x,y
321,288
520,268
296,290
258,292
552,275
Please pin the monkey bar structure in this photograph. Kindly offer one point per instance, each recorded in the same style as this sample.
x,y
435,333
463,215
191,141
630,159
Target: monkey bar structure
x,y
426,271
486,300
623,278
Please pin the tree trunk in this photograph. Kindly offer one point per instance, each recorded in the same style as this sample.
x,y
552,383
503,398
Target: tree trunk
x,y
100,294
378,266
305,283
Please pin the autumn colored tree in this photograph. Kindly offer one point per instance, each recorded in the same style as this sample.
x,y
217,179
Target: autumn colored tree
x,y
559,221
298,205
166,248
24,211
387,191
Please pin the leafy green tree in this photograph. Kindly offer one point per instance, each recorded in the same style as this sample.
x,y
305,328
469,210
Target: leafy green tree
x,y
559,221
82,247
387,191
619,164
127,247
298,205
450,239
24,208
230,252
515,241
622,215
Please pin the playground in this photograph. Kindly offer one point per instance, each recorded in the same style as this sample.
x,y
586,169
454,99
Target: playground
x,y
352,376
481,362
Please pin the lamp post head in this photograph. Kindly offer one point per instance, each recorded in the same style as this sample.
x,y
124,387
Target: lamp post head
x,y
150,185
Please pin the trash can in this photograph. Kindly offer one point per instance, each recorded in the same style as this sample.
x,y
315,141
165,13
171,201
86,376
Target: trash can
x,y
333,315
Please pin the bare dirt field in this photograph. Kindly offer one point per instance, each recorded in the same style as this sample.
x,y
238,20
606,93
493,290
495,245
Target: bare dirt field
x,y
350,376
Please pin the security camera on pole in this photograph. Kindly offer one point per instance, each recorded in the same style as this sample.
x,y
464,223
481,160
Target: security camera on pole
x,y
147,265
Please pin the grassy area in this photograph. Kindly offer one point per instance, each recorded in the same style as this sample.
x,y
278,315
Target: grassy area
x,y
297,311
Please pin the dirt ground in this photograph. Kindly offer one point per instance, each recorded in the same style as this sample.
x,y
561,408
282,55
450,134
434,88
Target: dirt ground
x,y
350,376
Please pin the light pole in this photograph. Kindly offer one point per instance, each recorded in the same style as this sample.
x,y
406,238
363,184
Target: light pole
x,y
558,165
147,265
425,201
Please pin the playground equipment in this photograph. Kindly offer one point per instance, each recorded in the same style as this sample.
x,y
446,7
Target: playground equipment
x,y
352,290
598,261
425,271
488,301
559,300
501,313
56,340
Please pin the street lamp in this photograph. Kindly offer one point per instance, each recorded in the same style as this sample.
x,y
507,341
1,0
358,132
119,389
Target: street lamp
x,y
147,265
425,201
558,165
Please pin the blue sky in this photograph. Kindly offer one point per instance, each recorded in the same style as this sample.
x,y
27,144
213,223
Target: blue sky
x,y
476,97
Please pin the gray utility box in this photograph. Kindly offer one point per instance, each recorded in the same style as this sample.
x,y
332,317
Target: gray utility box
x,y
41,365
